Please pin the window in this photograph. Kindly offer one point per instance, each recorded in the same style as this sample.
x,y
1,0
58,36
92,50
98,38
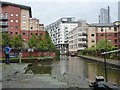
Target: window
x,y
23,16
109,34
31,27
115,34
16,27
11,14
11,20
41,34
24,21
92,35
23,33
101,29
16,32
115,28
16,15
79,45
92,41
109,40
11,26
66,27
11,32
23,27
102,34
109,28
16,20
115,41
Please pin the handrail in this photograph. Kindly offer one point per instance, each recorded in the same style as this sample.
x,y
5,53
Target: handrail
x,y
111,51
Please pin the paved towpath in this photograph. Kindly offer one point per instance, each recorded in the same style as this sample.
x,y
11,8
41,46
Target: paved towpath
x,y
109,61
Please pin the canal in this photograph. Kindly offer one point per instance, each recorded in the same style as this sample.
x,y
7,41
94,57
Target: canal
x,y
75,69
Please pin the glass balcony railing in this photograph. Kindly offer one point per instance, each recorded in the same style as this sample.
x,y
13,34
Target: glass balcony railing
x,y
3,23
3,29
2,17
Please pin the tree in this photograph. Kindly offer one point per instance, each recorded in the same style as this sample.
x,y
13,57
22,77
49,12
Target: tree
x,y
17,44
6,40
103,44
48,42
17,41
32,41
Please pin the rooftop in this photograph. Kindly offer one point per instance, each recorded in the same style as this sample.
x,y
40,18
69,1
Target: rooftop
x,y
16,5
101,24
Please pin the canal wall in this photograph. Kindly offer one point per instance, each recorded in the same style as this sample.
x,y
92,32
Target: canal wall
x,y
101,60
34,54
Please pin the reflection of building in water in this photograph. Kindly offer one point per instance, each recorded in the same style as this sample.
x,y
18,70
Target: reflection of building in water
x,y
77,66
61,66
91,71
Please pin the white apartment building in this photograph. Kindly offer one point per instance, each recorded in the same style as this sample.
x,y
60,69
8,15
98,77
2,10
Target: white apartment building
x,y
59,31
78,37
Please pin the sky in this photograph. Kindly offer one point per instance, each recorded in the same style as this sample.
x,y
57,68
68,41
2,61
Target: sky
x,y
49,11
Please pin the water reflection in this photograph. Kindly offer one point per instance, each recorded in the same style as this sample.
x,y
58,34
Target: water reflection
x,y
78,67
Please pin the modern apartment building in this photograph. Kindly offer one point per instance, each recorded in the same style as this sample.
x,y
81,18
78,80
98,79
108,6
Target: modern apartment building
x,y
104,15
78,37
119,11
110,31
16,19
59,31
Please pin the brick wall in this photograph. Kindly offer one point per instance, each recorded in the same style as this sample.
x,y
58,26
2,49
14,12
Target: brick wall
x,y
34,54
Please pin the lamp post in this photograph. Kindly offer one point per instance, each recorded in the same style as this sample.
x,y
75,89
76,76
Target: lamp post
x,y
105,55
105,67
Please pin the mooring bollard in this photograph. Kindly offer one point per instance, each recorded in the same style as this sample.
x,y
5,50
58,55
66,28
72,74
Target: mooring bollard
x,y
20,55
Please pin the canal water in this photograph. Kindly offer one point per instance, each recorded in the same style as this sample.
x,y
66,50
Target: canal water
x,y
76,67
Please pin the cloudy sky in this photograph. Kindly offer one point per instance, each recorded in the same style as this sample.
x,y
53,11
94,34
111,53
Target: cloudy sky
x,y
48,11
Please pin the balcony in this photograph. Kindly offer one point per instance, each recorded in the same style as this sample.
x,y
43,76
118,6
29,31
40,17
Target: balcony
x,y
84,34
3,17
3,24
3,29
84,39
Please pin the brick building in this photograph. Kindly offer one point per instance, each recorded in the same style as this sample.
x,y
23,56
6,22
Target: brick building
x,y
110,31
17,19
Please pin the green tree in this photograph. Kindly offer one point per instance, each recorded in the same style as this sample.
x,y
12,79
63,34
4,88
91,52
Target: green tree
x,y
17,41
48,42
103,44
32,41
6,40
17,44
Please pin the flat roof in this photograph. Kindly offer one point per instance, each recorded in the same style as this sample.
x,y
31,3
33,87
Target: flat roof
x,y
17,5
101,24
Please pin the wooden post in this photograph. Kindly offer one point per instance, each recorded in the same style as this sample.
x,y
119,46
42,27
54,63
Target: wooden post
x,y
20,55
